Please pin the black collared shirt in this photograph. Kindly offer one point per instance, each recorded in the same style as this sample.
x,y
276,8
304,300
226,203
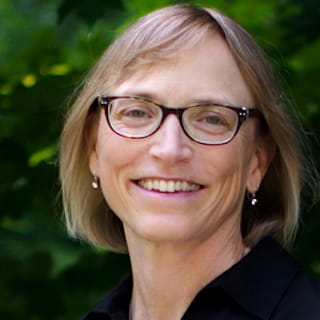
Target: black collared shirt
x,y
265,284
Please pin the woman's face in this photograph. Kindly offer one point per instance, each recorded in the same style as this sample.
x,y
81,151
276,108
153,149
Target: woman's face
x,y
214,178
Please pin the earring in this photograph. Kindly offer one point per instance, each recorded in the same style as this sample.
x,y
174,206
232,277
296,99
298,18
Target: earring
x,y
252,198
95,183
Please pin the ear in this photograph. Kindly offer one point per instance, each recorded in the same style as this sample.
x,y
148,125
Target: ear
x,y
262,156
94,162
91,133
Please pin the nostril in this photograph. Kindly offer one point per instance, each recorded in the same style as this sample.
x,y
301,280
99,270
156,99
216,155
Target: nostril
x,y
170,149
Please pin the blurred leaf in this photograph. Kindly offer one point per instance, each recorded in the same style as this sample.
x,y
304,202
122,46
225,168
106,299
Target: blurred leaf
x,y
42,155
89,10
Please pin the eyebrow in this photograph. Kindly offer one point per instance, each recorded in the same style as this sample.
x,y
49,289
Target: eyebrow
x,y
202,101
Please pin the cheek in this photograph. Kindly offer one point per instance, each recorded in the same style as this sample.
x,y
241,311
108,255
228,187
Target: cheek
x,y
226,161
116,157
111,149
228,167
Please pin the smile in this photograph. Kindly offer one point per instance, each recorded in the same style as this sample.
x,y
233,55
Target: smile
x,y
168,185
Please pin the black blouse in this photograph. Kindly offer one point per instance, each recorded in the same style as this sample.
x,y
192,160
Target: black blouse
x,y
266,284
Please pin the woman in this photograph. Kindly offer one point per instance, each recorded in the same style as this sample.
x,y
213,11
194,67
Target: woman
x,y
195,170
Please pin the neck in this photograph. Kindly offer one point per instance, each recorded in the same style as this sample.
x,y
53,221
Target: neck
x,y
167,277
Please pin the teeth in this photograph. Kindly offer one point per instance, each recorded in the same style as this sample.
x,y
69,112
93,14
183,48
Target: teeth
x,y
168,185
163,186
171,186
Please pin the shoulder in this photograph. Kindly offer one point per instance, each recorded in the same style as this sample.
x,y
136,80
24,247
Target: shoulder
x,y
301,300
269,284
115,305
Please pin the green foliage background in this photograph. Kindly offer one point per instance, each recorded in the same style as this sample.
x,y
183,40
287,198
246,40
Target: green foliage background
x,y
46,47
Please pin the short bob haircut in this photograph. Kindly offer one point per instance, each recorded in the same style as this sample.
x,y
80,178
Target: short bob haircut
x,y
155,38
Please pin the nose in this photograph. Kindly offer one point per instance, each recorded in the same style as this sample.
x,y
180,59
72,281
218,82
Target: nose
x,y
170,144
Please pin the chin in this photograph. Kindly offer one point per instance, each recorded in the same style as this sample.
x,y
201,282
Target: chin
x,y
166,231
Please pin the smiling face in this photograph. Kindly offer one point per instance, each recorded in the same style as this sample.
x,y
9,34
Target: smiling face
x,y
167,187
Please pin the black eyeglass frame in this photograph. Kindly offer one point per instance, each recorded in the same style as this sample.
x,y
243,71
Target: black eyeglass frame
x,y
242,112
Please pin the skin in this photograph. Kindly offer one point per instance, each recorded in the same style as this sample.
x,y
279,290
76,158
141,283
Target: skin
x,y
180,241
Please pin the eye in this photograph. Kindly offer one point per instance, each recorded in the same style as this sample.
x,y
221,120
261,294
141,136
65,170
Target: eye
x,y
133,111
136,112
214,119
210,118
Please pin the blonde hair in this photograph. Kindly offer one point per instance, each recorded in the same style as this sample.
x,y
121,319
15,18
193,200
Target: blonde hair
x,y
157,37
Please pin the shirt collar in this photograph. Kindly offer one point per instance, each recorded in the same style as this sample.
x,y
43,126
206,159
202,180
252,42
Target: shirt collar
x,y
116,304
258,281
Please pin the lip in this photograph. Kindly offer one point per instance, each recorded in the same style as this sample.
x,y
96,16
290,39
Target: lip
x,y
168,185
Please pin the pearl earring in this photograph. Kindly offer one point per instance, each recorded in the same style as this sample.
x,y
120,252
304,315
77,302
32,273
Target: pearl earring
x,y
252,198
95,183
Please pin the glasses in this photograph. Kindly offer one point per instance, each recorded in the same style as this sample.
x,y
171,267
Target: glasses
x,y
209,123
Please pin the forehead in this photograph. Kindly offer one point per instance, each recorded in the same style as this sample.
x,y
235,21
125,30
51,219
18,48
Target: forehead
x,y
204,71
